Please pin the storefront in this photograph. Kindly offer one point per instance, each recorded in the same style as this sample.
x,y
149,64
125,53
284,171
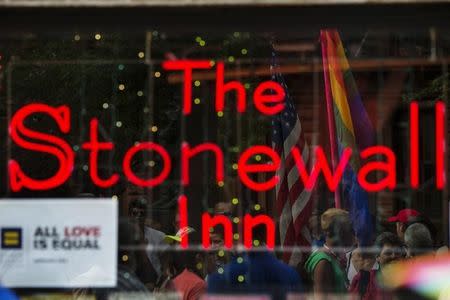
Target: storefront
x,y
98,107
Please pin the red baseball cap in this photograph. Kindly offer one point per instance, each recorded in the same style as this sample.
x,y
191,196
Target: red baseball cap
x,y
404,215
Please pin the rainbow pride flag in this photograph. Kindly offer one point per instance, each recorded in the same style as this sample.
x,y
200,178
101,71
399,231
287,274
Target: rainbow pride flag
x,y
349,126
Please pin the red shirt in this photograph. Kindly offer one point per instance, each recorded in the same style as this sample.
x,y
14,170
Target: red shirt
x,y
372,290
189,285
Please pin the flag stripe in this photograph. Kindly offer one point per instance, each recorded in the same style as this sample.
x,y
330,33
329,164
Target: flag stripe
x,y
353,130
292,200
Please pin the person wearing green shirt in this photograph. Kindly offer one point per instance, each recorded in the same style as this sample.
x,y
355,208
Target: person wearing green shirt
x,y
326,265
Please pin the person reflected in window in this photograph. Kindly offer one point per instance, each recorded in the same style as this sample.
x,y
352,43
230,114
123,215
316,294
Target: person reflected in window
x,y
402,221
326,266
388,249
181,268
418,240
257,271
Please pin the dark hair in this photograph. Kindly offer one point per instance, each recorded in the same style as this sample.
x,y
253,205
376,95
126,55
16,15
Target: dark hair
x,y
177,261
387,238
184,259
139,203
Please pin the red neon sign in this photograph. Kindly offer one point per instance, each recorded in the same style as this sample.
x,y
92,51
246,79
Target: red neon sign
x,y
59,148
268,99
46,143
95,146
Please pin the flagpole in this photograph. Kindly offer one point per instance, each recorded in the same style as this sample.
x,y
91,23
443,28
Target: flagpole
x,y
330,115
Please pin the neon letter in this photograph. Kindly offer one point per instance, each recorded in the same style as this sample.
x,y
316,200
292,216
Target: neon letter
x,y
440,145
276,100
321,164
250,222
414,144
187,66
222,88
187,153
95,146
388,167
208,222
63,152
244,168
183,217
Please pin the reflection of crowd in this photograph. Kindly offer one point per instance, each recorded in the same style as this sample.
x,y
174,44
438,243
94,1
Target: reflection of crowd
x,y
152,262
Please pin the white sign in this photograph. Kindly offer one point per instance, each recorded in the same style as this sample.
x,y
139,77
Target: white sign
x,y
58,243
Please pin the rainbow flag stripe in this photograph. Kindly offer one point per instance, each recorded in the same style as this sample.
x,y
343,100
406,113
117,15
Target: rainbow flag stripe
x,y
352,126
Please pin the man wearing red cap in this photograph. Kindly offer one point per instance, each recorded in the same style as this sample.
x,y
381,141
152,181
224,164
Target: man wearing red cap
x,y
402,219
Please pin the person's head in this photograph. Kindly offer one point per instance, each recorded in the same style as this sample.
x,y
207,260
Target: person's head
x,y
216,236
422,219
401,220
337,227
137,210
186,259
418,240
174,261
389,248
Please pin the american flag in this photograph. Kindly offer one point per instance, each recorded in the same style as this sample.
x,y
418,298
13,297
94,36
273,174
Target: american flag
x,y
293,201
